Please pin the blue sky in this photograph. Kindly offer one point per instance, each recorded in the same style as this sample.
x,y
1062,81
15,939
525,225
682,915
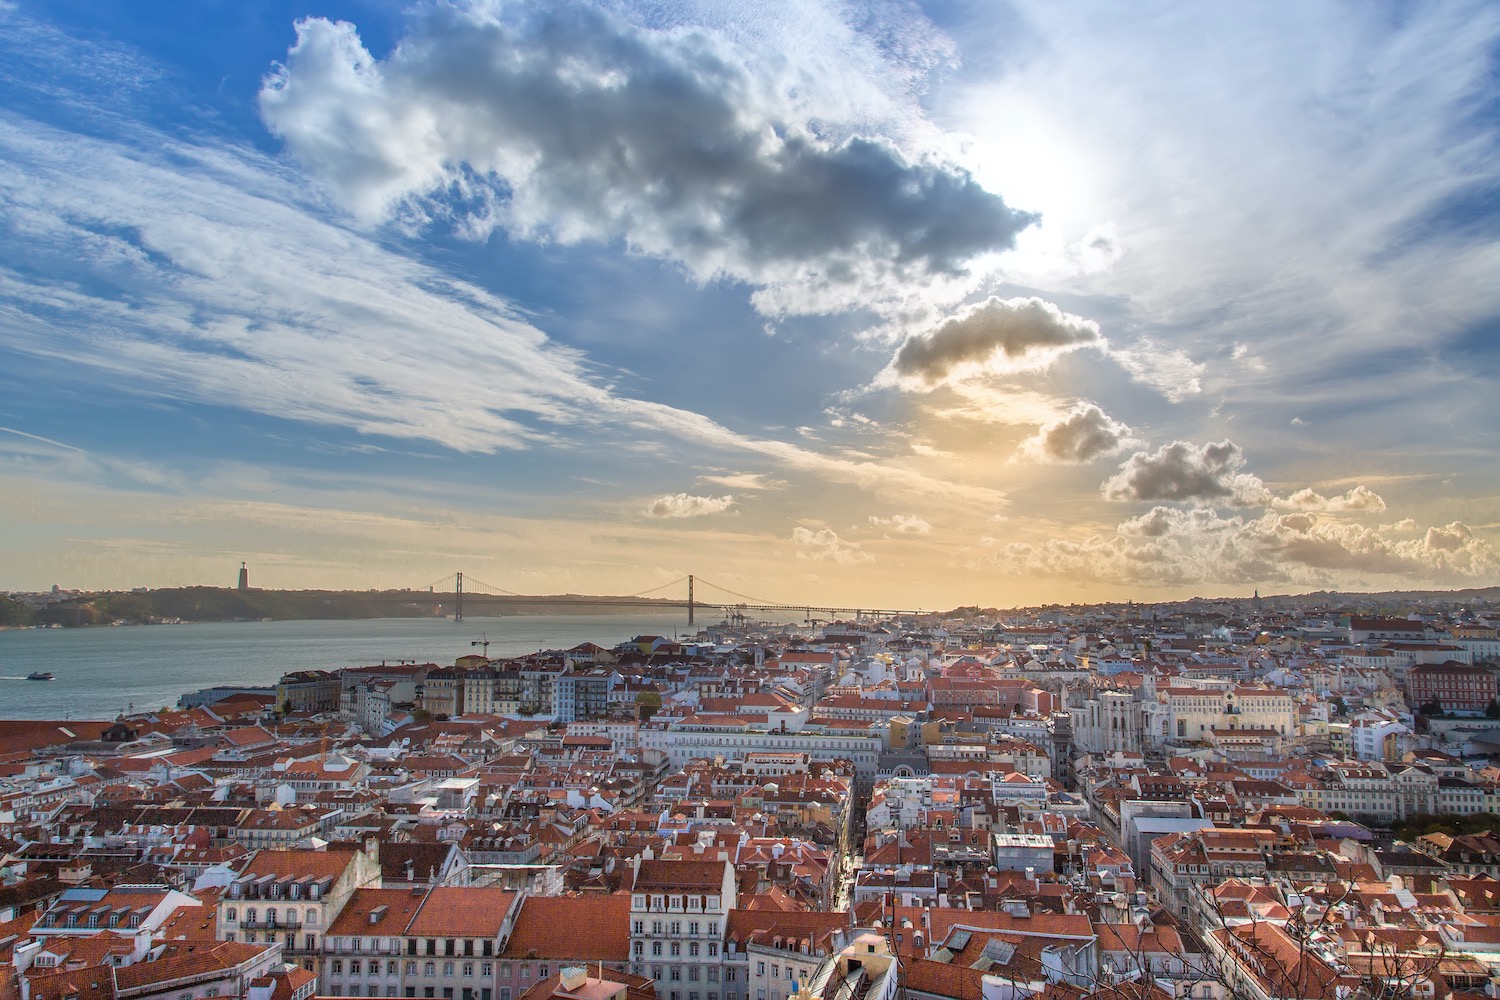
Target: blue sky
x,y
880,303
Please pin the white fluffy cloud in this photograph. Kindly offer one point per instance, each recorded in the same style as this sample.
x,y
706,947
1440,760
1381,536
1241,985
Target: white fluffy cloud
x,y
564,121
996,335
1452,537
1358,499
687,505
902,524
1171,546
1182,471
824,545
1084,434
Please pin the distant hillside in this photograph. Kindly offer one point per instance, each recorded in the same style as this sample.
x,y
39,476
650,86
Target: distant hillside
x,y
217,604
1328,601
1388,602
214,604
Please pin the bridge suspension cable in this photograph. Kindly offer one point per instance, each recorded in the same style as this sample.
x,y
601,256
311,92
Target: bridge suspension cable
x,y
463,585
473,583
747,599
675,583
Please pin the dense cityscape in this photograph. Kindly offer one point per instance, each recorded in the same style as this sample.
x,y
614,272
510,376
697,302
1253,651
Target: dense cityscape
x,y
1207,800
990,500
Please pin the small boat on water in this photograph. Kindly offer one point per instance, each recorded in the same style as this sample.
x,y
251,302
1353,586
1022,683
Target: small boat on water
x,y
40,675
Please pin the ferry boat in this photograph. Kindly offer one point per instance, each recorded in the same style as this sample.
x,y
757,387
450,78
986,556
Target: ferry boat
x,y
40,675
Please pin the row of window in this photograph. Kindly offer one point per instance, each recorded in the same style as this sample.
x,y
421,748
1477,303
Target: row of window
x,y
289,915
760,970
429,969
134,920
690,903
676,949
659,927
673,973
251,937
448,948
276,889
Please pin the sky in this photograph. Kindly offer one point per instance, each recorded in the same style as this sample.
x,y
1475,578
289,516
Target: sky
x,y
881,303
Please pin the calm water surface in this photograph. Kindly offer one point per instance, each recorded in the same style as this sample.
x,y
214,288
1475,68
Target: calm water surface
x,y
102,670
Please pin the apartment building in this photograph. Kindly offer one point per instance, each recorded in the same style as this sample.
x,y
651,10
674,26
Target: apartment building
x,y
1453,686
291,897
443,942
678,912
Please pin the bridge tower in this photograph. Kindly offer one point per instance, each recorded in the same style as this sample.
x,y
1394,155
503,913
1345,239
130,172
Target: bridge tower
x,y
458,592
690,599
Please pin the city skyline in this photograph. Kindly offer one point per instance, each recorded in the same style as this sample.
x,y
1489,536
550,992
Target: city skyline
x,y
922,305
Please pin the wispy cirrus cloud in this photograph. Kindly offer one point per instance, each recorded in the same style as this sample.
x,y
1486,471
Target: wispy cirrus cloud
x,y
1298,183
203,274
754,481
1168,370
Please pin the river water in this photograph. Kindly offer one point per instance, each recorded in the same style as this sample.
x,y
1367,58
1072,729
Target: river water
x,y
102,670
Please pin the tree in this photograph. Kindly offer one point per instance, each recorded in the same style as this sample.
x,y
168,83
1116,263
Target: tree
x,y
649,703
14,613
1492,710
1261,958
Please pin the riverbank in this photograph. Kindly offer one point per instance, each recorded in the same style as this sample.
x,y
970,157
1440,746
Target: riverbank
x,y
102,671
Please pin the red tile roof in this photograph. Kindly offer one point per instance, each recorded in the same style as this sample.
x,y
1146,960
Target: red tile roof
x,y
680,876
399,906
573,928
328,863
463,912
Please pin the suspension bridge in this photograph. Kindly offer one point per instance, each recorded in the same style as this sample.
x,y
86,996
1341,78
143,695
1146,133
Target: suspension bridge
x,y
465,591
